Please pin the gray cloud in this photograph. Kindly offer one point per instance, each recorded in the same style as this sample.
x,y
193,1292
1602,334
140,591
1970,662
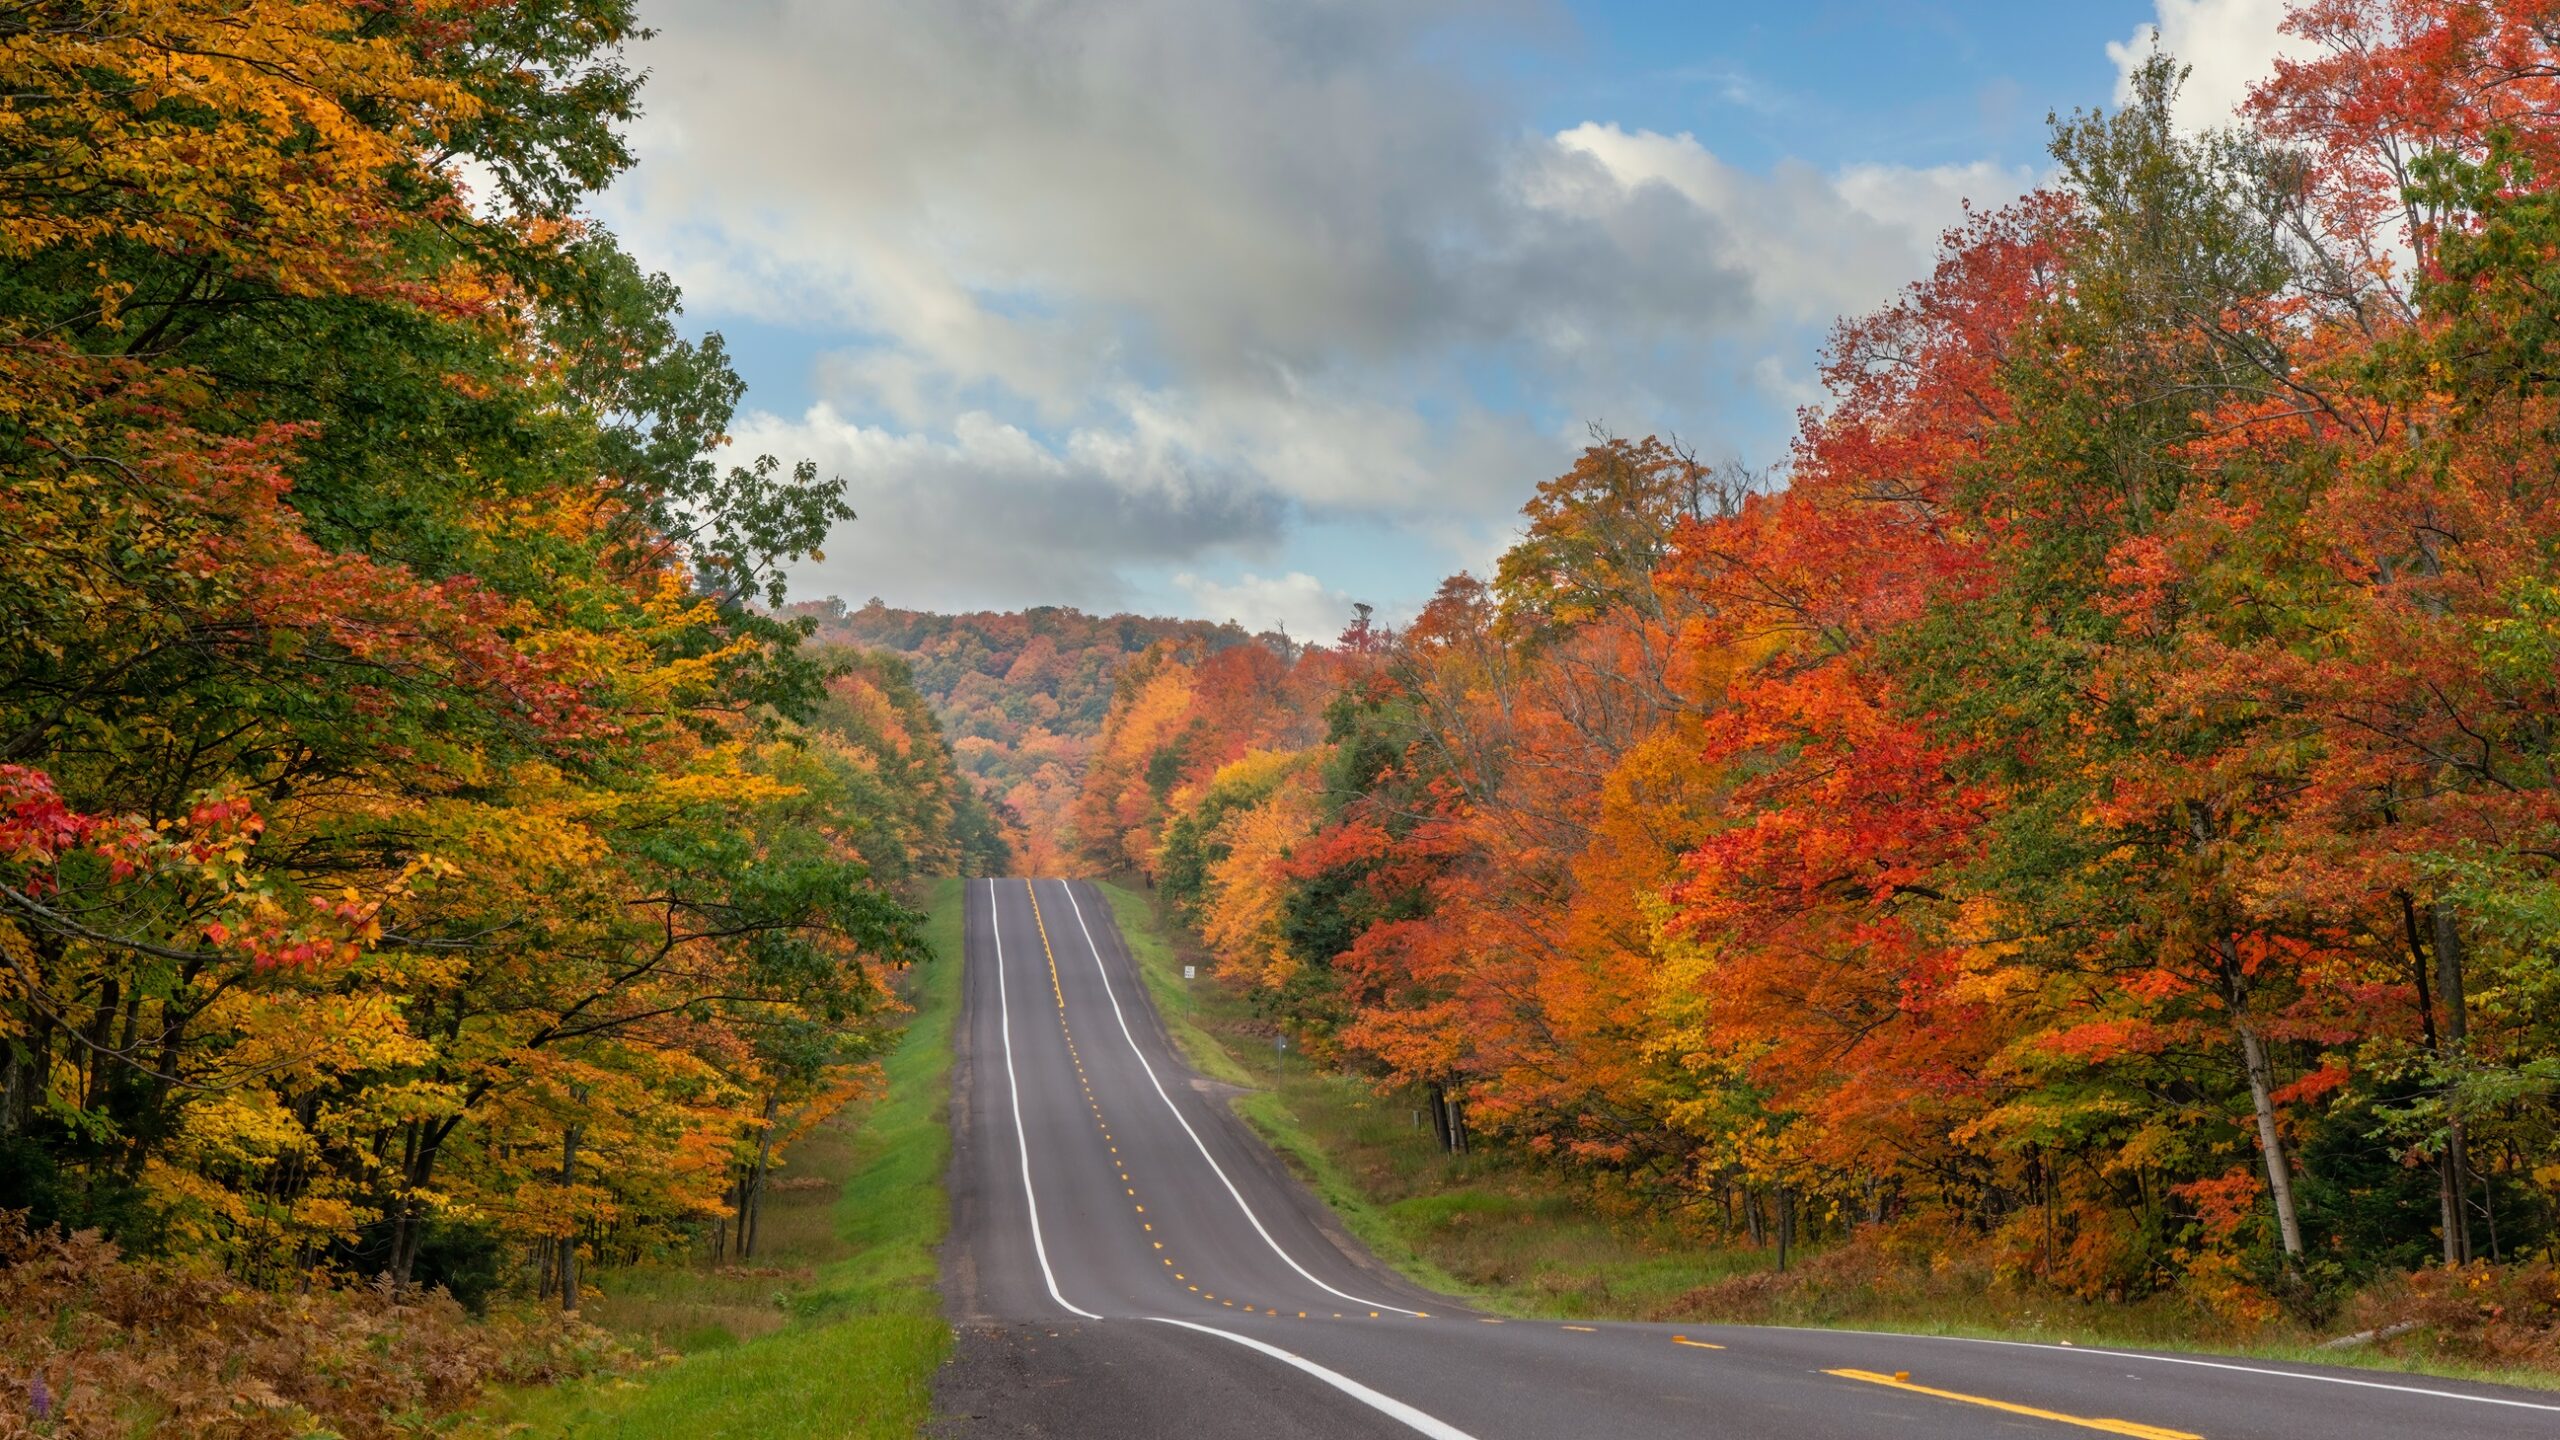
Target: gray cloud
x,y
992,516
1220,260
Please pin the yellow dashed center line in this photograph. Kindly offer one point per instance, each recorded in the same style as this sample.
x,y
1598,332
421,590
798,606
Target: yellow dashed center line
x,y
1695,1344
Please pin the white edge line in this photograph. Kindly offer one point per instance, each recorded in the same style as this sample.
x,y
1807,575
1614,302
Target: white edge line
x,y
1004,1027
2186,1360
1256,1220
1387,1405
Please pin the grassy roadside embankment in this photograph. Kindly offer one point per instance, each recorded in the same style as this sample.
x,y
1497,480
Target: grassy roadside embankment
x,y
837,1327
1517,1239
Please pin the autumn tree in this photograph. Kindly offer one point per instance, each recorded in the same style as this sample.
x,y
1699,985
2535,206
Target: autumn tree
x,y
417,839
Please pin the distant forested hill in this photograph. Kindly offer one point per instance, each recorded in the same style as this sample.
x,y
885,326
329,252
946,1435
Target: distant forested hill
x,y
1021,693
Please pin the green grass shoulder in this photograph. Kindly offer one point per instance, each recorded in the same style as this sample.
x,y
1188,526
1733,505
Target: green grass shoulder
x,y
837,1327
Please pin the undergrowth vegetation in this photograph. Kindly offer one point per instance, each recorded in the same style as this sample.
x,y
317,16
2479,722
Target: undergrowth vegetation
x,y
94,1344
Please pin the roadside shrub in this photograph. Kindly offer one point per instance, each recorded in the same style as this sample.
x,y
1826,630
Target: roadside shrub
x,y
93,1344
2492,1314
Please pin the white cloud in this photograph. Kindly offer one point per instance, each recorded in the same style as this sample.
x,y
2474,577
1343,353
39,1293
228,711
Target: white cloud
x,y
1298,602
1155,276
1920,203
1812,246
2226,45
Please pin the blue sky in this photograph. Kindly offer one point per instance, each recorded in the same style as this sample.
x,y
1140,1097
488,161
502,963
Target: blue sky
x,y
1251,308
1836,81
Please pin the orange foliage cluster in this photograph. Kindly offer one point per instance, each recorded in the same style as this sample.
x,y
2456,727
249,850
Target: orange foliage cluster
x,y
2101,812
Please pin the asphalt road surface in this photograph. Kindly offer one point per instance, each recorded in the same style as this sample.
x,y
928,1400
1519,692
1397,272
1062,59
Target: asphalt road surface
x,y
1127,1260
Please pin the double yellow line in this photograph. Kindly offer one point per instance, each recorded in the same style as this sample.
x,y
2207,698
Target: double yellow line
x,y
1042,922
2112,1427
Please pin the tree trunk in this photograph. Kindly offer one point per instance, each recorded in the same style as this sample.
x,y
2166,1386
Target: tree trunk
x,y
2457,1034
751,1213
1786,1226
2448,1198
101,1032
569,1242
2457,1234
2489,1212
2253,1052
156,1103
2044,1187
402,1207
408,1214
24,1065
1439,1100
2253,1055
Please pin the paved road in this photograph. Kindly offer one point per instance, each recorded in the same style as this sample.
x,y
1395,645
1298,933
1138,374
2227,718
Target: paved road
x,y
1127,1260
